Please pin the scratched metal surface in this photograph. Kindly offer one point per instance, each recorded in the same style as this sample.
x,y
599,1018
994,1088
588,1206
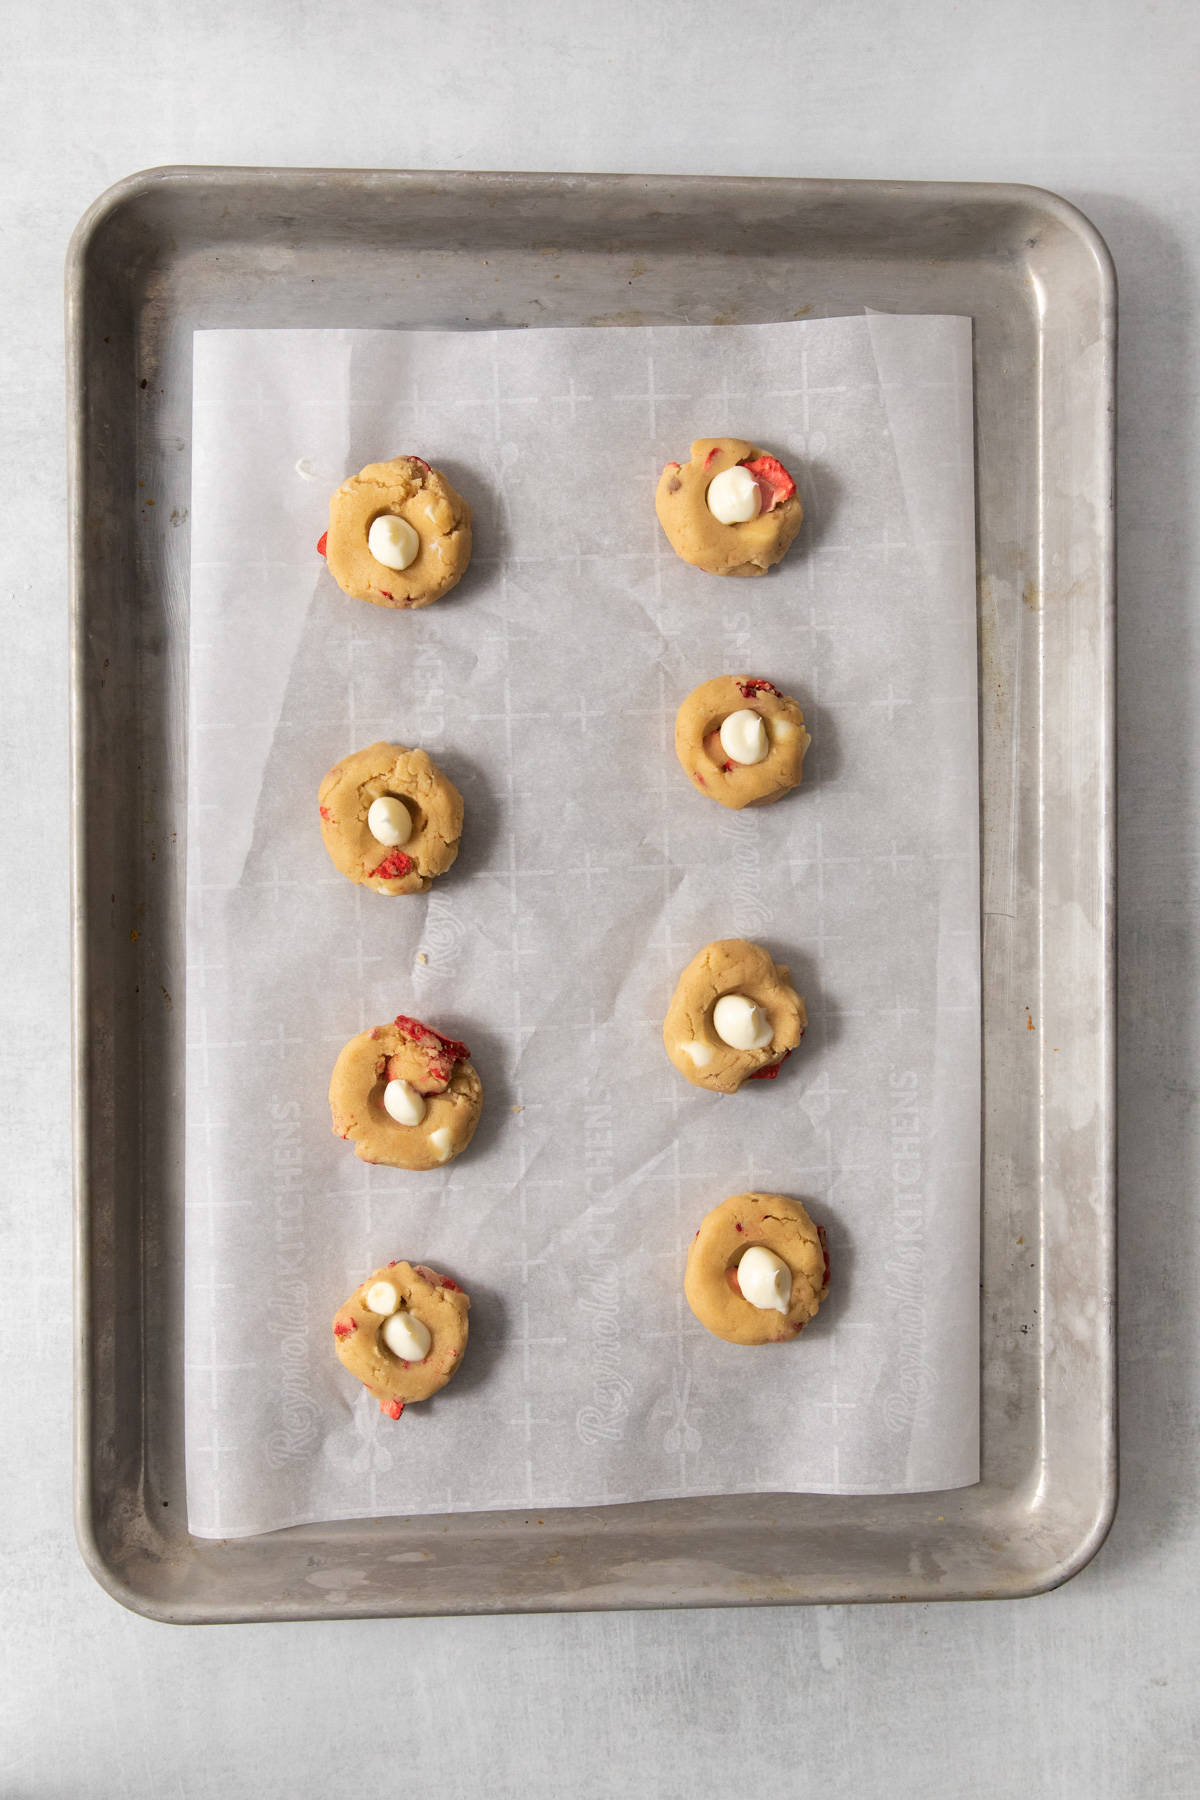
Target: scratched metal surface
x,y
175,249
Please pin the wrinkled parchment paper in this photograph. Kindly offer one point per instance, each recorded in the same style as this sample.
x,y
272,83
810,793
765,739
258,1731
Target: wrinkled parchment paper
x,y
546,686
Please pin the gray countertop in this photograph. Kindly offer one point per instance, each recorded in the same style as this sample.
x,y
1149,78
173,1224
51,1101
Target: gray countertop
x,y
1088,1691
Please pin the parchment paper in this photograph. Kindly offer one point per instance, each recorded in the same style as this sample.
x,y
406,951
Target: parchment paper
x,y
546,686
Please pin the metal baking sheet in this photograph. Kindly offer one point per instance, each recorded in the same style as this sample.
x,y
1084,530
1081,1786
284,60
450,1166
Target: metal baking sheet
x,y
172,250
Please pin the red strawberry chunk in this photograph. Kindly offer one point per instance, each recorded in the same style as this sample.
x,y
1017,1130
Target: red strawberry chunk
x,y
433,1040
774,483
393,1408
772,1072
752,685
326,814
394,867
321,543
713,453
342,1330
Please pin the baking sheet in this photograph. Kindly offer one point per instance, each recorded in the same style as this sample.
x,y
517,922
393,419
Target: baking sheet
x,y
590,873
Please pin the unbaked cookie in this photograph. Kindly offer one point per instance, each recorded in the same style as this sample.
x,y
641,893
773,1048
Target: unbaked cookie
x,y
390,819
402,1332
741,741
731,510
406,1095
734,1017
399,534
757,1270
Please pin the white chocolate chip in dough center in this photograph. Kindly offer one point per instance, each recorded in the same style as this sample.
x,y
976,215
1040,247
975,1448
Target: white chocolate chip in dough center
x,y
389,821
402,1101
392,541
744,737
381,1297
407,1337
701,1054
741,1023
440,1140
733,496
765,1279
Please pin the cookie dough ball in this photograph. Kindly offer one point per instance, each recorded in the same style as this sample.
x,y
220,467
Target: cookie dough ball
x,y
399,534
390,819
733,1017
731,510
757,1270
405,1095
741,741
402,1332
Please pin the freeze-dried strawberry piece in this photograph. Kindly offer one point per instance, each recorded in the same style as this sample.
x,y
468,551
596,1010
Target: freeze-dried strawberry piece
x,y
425,1035
738,1226
394,867
393,1408
321,543
752,685
714,452
670,466
726,767
420,463
825,1253
326,814
342,1330
436,1280
774,483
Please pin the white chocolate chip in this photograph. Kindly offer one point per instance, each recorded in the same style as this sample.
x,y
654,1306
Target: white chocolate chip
x,y
765,1279
392,541
404,1103
701,1054
406,1337
744,737
389,821
440,1140
741,1024
381,1297
733,496
782,728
